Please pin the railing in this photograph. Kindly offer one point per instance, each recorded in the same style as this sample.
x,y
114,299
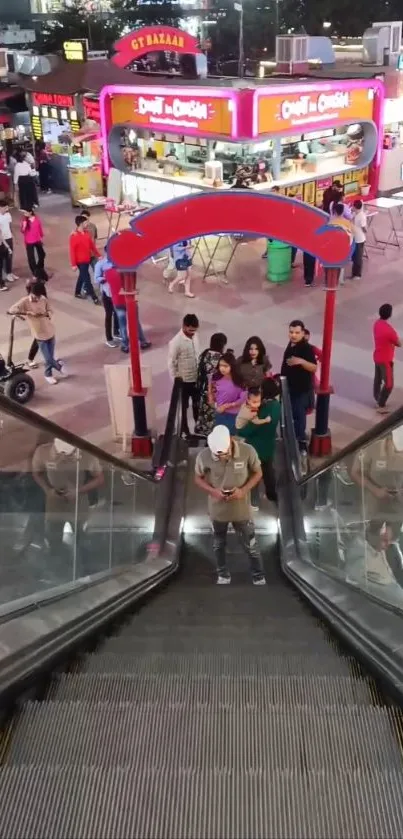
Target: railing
x,y
351,510
70,511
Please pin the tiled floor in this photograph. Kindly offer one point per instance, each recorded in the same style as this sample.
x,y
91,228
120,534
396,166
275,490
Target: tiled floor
x,y
247,305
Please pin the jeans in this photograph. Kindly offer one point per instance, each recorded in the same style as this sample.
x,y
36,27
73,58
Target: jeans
x,y
84,281
269,481
9,256
122,320
226,419
47,349
358,256
309,268
110,318
383,383
245,530
3,263
300,405
189,392
294,252
36,258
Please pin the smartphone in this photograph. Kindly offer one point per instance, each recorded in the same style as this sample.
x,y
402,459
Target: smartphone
x,y
227,491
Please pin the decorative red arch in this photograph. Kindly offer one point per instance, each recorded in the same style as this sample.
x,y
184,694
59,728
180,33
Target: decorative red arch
x,y
241,211
153,39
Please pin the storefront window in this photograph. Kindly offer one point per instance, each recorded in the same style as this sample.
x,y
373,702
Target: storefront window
x,y
324,152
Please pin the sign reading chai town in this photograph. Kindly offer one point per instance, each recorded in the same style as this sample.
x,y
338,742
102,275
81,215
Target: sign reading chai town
x,y
211,115
153,39
312,106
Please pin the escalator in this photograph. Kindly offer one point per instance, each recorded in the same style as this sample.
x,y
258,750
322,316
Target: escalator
x,y
207,712
213,711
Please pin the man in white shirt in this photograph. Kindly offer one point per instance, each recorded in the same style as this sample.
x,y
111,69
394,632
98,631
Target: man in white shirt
x,y
7,241
183,359
360,235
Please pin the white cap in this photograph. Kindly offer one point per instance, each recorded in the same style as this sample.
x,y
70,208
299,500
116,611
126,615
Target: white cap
x,y
62,447
219,440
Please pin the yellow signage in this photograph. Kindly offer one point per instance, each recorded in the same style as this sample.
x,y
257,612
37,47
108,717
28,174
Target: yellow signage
x,y
75,50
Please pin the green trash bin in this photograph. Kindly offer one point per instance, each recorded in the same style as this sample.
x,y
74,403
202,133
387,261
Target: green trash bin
x,y
278,261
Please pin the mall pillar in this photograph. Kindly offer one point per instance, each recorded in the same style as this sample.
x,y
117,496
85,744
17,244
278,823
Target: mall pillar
x,y
321,440
141,438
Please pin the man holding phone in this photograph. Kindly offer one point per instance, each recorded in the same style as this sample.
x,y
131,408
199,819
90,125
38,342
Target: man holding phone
x,y
227,470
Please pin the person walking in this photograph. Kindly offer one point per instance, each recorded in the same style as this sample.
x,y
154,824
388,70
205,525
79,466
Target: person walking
x,y
207,365
32,231
386,340
339,219
112,333
82,250
253,364
257,423
44,169
24,183
360,235
92,229
298,367
227,470
34,348
183,356
36,309
226,391
7,238
114,281
183,264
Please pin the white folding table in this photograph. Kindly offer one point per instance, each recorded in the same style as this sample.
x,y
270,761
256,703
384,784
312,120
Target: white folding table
x,y
390,207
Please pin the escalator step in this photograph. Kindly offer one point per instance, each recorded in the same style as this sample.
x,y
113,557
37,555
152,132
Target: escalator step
x,y
213,643
216,665
83,803
252,691
191,738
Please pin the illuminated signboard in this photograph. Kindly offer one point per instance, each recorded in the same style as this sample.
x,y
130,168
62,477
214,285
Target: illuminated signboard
x,y
170,112
75,50
91,109
36,123
153,39
58,100
312,106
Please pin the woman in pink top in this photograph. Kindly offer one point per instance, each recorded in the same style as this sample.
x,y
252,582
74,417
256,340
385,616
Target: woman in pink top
x,y
32,231
226,392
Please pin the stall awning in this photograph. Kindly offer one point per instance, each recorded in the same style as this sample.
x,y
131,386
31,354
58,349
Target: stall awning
x,y
10,92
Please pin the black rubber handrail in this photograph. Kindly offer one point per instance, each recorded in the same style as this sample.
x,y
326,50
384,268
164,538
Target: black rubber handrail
x,y
378,430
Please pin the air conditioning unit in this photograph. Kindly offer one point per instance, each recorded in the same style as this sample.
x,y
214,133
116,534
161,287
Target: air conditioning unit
x,y
292,54
381,43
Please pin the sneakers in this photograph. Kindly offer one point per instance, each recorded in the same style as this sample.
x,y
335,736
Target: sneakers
x,y
146,345
10,278
259,581
223,580
51,380
3,288
32,364
111,344
63,372
255,508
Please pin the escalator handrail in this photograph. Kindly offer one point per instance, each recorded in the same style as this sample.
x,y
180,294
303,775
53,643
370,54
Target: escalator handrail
x,y
170,427
379,430
25,415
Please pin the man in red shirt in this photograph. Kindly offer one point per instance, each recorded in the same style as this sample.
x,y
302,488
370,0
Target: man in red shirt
x,y
386,340
114,280
82,250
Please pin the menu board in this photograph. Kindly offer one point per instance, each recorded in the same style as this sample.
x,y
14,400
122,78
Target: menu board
x,y
312,191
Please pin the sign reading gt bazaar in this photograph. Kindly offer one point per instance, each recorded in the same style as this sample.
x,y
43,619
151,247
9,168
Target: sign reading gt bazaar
x,y
337,104
153,39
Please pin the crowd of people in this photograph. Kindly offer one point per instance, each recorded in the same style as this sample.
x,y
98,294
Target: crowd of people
x,y
235,408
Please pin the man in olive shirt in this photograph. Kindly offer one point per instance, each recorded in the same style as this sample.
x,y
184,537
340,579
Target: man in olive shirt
x,y
227,470
66,476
